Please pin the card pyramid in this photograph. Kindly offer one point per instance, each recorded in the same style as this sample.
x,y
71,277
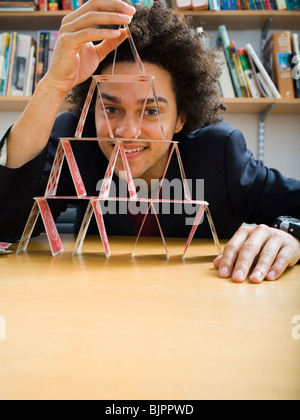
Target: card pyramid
x,y
64,151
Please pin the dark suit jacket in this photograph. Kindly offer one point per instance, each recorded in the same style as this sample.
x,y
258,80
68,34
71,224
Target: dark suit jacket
x,y
237,187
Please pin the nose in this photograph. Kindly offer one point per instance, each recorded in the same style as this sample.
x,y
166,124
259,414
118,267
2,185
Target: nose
x,y
129,127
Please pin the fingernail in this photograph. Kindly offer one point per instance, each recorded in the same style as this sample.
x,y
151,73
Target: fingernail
x,y
115,32
224,272
257,275
125,18
271,275
129,7
238,275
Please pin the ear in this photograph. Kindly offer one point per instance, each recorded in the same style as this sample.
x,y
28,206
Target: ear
x,y
181,120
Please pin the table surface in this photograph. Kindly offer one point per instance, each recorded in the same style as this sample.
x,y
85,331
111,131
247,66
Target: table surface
x,y
87,327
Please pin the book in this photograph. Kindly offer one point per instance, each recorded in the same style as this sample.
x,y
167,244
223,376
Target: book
x,y
184,4
66,4
277,58
296,64
239,70
200,4
252,85
214,5
295,4
262,71
10,63
20,65
224,39
256,77
4,51
18,6
225,83
53,5
30,72
281,4
43,5
40,57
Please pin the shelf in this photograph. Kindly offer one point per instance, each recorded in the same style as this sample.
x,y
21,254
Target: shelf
x,y
235,20
33,21
243,19
17,103
261,105
234,105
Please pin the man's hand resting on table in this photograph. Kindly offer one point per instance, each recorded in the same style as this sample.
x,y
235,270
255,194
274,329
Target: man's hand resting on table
x,y
260,251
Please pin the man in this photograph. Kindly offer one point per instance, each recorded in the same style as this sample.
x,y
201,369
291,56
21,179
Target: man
x,y
238,188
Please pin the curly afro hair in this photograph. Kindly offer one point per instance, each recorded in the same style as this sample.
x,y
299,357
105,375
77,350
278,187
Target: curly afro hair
x,y
173,44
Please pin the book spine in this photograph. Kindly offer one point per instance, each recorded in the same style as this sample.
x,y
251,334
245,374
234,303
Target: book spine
x,y
239,70
184,4
282,66
52,5
200,4
262,70
76,4
43,5
66,4
296,64
225,82
40,57
225,5
226,47
46,53
281,4
11,60
254,91
5,42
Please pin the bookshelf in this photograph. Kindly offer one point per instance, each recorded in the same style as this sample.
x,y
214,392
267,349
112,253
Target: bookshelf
x,y
252,19
234,105
234,20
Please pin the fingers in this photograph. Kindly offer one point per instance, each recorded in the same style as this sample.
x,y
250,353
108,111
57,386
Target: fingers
x,y
92,19
90,23
113,6
225,262
269,250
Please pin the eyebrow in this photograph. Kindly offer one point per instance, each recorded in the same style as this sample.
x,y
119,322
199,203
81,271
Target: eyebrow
x,y
117,100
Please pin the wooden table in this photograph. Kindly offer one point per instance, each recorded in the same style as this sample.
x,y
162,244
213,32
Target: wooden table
x,y
145,328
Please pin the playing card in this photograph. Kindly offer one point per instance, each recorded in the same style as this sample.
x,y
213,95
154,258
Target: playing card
x,y
53,236
34,214
79,186
4,248
101,226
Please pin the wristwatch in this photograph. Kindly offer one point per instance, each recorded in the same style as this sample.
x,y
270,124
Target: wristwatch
x,y
288,224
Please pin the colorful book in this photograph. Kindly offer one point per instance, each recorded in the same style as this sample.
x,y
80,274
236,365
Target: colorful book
x,y
10,63
252,85
278,55
225,42
5,42
239,70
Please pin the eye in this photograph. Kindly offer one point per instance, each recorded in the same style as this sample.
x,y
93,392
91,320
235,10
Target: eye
x,y
151,112
110,110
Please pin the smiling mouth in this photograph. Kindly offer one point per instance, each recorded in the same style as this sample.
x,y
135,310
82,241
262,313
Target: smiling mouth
x,y
137,150
133,151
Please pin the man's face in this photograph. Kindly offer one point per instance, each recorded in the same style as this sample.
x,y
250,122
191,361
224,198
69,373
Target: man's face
x,y
124,104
